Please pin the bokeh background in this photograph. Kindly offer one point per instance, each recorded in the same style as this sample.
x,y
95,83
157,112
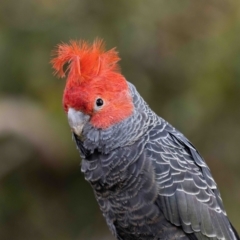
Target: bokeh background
x,y
184,58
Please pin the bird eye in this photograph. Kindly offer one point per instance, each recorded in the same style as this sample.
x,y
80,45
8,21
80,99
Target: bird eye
x,y
99,102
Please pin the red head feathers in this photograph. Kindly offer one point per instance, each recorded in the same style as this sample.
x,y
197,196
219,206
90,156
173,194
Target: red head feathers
x,y
93,73
85,61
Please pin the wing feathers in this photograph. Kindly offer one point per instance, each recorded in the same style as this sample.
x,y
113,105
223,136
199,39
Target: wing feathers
x,y
188,194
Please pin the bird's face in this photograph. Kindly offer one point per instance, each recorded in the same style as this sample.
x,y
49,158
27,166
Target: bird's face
x,y
95,91
98,104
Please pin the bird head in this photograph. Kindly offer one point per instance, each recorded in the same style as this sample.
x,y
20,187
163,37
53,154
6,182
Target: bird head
x,y
95,92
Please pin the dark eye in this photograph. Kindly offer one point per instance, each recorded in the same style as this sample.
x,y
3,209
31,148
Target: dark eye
x,y
99,102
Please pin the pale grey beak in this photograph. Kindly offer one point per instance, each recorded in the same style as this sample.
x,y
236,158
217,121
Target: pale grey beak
x,y
77,120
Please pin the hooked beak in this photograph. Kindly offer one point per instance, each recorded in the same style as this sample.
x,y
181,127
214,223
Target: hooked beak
x,y
77,120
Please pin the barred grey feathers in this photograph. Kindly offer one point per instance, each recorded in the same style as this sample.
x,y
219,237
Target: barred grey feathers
x,y
150,182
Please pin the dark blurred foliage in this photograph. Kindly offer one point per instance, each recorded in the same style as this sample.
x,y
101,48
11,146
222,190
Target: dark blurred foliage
x,y
184,58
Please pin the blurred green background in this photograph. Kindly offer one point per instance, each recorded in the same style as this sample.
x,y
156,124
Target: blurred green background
x,y
184,58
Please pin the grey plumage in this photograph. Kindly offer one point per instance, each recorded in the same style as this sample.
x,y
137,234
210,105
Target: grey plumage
x,y
150,181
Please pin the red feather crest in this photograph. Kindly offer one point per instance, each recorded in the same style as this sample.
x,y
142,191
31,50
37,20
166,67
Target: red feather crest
x,y
85,60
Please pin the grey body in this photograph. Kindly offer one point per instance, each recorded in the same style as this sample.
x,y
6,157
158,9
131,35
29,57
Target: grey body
x,y
150,182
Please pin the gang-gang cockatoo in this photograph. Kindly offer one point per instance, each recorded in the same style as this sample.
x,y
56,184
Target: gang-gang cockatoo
x,y
149,180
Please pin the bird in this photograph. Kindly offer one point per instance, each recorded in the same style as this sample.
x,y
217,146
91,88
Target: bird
x,y
150,182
